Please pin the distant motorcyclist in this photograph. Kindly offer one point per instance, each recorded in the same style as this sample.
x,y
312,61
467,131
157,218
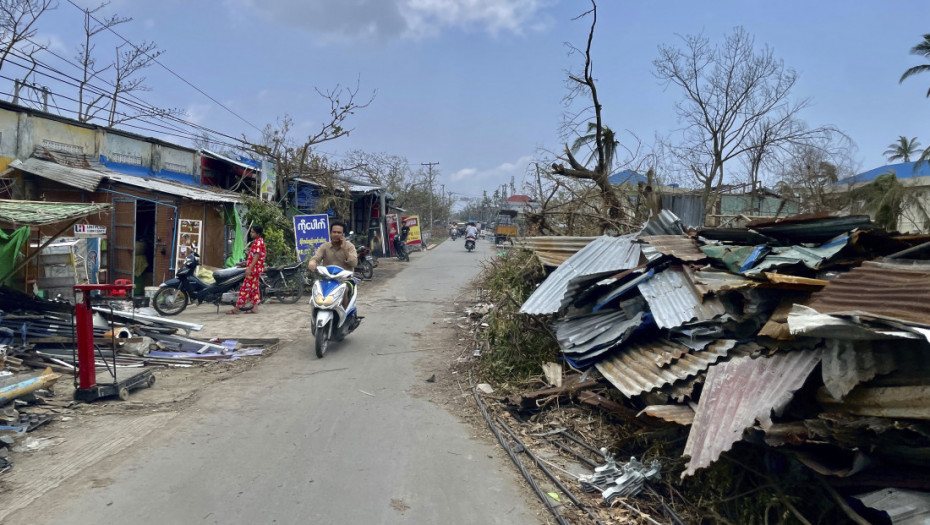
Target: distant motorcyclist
x,y
471,231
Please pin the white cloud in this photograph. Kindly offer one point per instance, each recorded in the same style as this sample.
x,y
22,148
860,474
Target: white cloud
x,y
467,179
198,113
343,20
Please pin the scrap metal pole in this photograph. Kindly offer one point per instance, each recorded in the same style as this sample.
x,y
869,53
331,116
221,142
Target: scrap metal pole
x,y
513,456
548,472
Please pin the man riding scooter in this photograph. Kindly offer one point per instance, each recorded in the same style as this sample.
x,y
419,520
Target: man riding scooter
x,y
471,235
337,252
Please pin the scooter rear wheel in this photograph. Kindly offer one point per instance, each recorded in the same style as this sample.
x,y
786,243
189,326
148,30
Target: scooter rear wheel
x,y
169,301
365,270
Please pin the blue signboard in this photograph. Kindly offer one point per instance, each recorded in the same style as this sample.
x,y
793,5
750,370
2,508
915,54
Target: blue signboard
x,y
310,231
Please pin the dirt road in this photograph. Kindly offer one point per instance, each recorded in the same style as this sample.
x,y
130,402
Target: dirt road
x,y
351,438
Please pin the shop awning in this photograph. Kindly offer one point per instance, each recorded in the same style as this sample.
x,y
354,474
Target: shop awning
x,y
91,175
37,213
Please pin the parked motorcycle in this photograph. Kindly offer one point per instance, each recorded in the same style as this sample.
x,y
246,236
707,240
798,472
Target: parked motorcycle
x,y
330,319
400,246
365,267
285,283
173,295
470,242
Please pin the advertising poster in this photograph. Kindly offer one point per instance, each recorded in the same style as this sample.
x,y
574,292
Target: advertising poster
x,y
310,231
413,236
188,240
390,220
92,261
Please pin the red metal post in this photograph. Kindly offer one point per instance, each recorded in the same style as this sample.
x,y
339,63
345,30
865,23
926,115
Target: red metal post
x,y
84,324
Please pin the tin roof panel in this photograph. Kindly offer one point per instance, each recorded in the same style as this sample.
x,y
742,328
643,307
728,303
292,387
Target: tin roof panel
x,y
739,392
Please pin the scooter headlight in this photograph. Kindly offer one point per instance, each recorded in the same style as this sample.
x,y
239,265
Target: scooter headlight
x,y
334,296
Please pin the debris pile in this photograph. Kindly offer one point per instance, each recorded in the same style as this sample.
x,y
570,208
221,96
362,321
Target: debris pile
x,y
809,334
37,335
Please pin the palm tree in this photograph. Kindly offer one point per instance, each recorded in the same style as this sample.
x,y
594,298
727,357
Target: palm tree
x,y
921,49
902,149
608,139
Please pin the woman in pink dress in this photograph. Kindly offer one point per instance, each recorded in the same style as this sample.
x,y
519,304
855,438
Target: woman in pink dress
x,y
255,265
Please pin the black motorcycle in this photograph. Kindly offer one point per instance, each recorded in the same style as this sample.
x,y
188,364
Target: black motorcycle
x,y
173,295
400,245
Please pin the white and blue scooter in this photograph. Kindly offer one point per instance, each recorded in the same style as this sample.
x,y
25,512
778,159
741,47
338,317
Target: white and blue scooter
x,y
330,320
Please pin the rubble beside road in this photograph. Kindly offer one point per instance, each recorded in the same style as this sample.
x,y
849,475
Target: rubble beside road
x,y
39,366
780,368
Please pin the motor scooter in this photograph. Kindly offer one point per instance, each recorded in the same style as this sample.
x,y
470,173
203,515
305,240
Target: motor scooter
x,y
173,295
330,319
365,267
400,245
470,242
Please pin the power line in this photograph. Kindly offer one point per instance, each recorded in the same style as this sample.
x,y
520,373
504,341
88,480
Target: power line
x,y
166,68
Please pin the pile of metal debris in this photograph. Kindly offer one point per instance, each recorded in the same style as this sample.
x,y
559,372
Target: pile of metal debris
x,y
37,335
809,334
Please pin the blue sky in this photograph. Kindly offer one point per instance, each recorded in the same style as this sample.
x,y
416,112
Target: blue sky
x,y
477,85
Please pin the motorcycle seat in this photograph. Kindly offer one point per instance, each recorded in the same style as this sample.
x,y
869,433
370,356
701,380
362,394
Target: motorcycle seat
x,y
226,273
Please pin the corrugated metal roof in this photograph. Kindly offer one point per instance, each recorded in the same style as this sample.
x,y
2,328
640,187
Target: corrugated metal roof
x,y
800,229
666,223
716,281
889,290
593,335
90,179
904,507
681,247
633,369
681,414
41,212
739,392
792,255
224,158
674,301
553,251
848,363
82,178
601,257
170,187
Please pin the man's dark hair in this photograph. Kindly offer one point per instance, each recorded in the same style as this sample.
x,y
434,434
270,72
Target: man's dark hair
x,y
337,223
257,228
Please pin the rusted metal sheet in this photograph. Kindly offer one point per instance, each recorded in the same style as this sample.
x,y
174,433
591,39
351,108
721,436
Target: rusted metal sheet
x,y
84,178
716,281
553,251
674,301
910,401
889,290
633,370
777,325
795,282
739,392
681,414
602,257
681,247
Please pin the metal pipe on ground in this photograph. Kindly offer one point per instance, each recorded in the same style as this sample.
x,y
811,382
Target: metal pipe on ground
x,y
513,456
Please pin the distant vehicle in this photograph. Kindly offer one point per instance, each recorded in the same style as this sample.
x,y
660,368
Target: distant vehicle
x,y
505,227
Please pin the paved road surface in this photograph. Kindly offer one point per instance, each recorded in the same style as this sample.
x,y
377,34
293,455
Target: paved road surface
x,y
301,440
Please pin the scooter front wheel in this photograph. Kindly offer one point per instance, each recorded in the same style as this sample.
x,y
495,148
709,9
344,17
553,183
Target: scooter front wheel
x,y
169,301
322,340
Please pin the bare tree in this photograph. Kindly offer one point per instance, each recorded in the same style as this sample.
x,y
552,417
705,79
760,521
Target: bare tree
x,y
293,159
130,60
604,145
807,174
18,26
89,99
736,102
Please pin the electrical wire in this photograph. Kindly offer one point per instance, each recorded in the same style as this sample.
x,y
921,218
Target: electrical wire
x,y
166,68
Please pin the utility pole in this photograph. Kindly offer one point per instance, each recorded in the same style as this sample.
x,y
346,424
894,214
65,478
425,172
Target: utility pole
x,y
442,198
430,165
